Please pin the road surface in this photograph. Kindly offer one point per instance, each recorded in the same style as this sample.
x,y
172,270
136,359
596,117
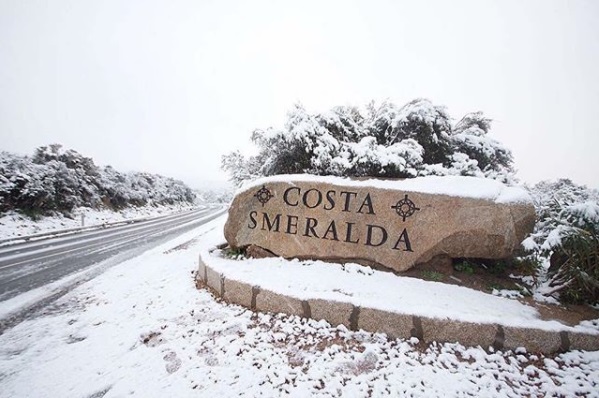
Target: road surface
x,y
30,265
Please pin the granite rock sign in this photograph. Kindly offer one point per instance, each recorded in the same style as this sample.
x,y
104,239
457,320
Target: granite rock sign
x,y
394,224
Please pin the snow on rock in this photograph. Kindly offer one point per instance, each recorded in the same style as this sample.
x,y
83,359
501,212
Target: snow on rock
x,y
317,217
142,329
466,187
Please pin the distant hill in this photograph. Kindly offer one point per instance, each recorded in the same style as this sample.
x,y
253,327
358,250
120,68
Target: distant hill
x,y
58,179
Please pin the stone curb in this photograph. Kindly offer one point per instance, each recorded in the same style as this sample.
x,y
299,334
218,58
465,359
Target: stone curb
x,y
395,325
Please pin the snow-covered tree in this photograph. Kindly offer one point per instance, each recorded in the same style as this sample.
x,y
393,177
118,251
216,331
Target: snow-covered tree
x,y
303,146
54,179
429,125
470,138
370,159
239,168
383,140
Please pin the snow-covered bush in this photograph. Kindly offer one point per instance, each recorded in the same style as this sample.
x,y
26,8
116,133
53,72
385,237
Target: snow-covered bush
x,y
567,234
561,206
380,141
54,179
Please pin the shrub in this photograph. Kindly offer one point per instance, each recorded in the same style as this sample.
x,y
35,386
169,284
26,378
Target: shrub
x,y
383,140
566,238
54,179
574,273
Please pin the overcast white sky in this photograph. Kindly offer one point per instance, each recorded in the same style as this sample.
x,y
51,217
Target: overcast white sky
x,y
169,86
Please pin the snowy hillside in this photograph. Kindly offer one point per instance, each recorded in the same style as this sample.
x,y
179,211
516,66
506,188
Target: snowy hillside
x,y
55,179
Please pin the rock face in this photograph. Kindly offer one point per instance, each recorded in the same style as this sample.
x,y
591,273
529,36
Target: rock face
x,y
396,224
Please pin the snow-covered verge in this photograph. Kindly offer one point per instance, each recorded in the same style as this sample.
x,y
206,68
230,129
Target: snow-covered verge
x,y
14,224
143,329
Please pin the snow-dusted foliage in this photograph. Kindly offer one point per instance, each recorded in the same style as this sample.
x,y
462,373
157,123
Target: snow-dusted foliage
x,y
562,207
567,236
58,179
215,195
491,157
383,140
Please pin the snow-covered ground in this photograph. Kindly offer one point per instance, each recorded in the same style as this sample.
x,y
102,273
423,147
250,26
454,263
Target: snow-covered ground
x,y
368,288
143,329
13,224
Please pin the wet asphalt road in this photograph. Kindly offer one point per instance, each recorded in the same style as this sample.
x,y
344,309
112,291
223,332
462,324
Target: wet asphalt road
x,y
29,265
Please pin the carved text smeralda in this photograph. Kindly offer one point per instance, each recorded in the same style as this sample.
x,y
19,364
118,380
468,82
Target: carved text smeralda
x,y
368,234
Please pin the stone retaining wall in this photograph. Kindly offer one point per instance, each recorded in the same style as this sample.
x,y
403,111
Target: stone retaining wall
x,y
395,325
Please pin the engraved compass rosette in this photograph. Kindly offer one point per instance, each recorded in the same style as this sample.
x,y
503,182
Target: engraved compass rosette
x,y
405,207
